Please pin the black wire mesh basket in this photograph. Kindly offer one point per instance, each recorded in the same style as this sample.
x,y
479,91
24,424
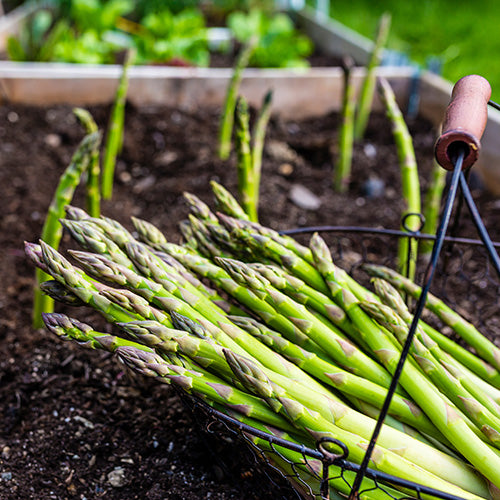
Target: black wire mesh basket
x,y
464,278
463,272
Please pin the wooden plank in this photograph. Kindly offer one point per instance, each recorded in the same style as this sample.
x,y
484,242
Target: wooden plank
x,y
333,37
296,93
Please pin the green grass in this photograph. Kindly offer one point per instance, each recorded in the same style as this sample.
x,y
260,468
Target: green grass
x,y
465,35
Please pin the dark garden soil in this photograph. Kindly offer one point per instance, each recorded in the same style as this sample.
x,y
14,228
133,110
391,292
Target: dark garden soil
x,y
74,422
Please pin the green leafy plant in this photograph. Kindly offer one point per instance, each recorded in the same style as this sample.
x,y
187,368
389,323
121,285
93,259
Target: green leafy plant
x,y
38,38
165,37
279,44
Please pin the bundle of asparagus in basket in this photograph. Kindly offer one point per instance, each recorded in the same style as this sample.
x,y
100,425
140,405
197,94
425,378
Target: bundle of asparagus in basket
x,y
275,334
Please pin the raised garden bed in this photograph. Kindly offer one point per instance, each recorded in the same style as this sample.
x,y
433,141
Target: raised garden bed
x,y
75,424
297,93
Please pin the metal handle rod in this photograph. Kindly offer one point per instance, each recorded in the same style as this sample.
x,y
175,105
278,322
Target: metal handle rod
x,y
481,229
429,274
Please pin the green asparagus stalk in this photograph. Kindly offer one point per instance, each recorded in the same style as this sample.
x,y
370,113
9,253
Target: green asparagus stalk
x,y
488,423
92,238
347,354
482,391
436,406
486,349
258,137
75,213
227,118
114,137
148,290
342,170
60,293
298,290
264,245
432,205
87,290
226,202
200,209
68,328
221,279
288,242
93,195
52,230
483,372
205,243
368,87
409,179
113,230
248,187
303,417
338,378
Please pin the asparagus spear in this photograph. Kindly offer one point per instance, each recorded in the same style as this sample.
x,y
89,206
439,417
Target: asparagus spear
x,y
71,329
298,290
288,242
60,293
221,279
114,138
92,238
227,118
474,385
248,188
92,194
486,349
368,88
261,244
226,203
258,136
432,204
342,170
90,292
409,180
75,213
200,209
52,230
437,407
488,423
112,229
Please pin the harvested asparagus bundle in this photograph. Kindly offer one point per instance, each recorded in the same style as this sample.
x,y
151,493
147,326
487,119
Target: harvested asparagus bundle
x,y
309,352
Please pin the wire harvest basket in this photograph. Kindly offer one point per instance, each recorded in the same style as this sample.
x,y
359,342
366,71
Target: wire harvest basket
x,y
464,279
463,272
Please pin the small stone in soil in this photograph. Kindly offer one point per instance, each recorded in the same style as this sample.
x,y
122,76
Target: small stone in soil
x,y
373,187
53,140
116,477
13,117
304,198
370,150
